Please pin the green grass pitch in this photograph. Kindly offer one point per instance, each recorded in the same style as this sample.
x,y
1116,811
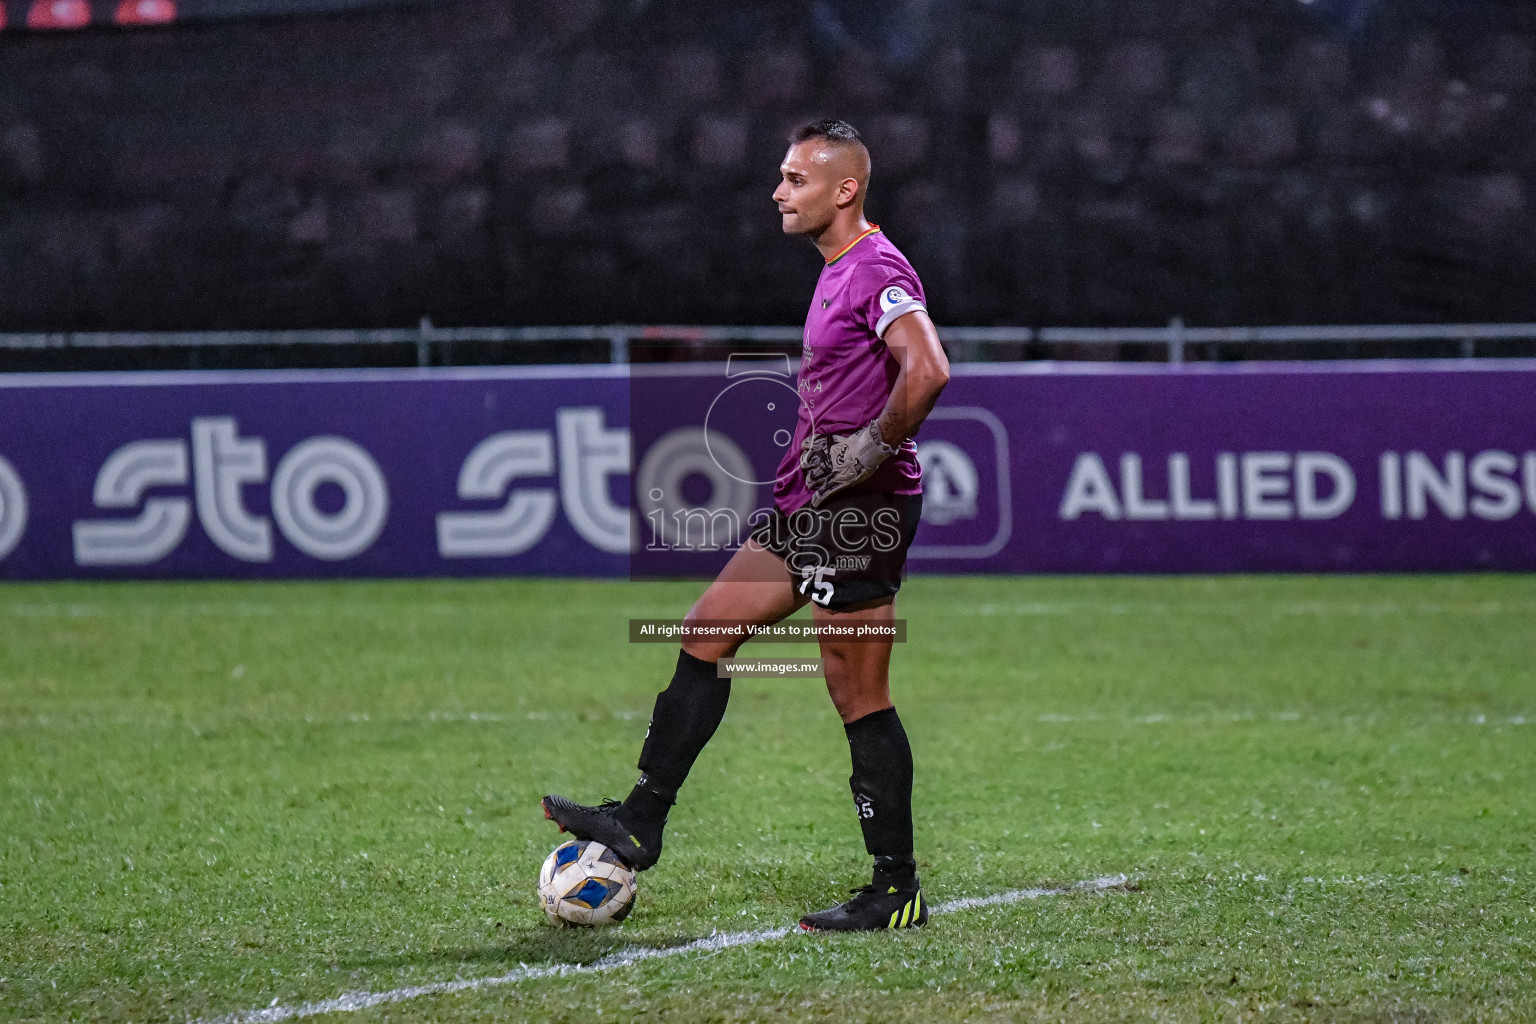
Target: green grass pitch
x,y
221,796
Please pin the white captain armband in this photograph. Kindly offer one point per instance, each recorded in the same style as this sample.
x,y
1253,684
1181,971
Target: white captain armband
x,y
895,302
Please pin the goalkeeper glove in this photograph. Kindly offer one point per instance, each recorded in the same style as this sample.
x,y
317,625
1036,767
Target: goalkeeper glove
x,y
834,461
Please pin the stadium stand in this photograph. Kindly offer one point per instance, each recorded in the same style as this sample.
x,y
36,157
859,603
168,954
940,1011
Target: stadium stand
x,y
1044,162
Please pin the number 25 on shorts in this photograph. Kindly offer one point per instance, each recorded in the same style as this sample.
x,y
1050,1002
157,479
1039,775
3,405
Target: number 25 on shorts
x,y
818,577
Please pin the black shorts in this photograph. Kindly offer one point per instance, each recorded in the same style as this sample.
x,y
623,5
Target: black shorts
x,y
850,550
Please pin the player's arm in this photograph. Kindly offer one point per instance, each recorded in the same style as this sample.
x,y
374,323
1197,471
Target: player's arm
x,y
832,463
923,374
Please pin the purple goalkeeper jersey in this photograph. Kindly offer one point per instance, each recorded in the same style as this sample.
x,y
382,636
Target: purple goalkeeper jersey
x,y
846,371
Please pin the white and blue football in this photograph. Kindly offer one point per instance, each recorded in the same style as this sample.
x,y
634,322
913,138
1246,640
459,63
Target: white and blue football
x,y
584,883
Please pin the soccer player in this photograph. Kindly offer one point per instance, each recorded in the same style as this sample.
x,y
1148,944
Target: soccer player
x,y
846,504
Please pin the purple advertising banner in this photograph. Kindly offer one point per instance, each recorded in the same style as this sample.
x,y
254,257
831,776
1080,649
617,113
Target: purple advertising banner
x,y
1377,466
1035,467
299,474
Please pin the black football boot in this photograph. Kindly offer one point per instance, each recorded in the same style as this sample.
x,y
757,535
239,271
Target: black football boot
x,y
638,847
886,902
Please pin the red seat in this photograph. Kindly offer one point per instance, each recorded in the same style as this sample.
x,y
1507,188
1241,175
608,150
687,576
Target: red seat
x,y
56,14
145,12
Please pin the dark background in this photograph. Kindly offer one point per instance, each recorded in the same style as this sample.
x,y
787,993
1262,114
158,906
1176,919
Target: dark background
x,y
1099,162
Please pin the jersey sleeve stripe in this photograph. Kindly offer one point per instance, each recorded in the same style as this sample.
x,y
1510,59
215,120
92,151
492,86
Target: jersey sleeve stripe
x,y
899,310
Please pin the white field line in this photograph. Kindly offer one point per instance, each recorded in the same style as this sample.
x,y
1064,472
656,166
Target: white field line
x,y
352,1001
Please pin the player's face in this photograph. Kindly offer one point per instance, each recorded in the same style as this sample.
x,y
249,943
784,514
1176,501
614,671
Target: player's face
x,y
808,188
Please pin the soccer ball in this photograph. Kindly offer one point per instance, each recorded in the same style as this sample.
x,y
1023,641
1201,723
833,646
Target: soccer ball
x,y
583,883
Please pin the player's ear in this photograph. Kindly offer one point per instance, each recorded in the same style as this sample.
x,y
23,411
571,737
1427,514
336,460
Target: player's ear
x,y
847,191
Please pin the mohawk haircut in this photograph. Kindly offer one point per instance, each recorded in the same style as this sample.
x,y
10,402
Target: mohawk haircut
x,y
831,130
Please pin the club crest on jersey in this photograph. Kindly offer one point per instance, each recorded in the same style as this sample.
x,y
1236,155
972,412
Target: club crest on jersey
x,y
892,297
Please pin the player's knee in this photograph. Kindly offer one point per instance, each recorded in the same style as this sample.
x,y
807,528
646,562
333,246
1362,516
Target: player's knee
x,y
702,648
854,700
709,651
842,695
836,651
843,682
848,664
846,710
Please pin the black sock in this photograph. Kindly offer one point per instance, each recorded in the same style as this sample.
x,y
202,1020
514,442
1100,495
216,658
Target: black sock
x,y
686,715
895,872
882,793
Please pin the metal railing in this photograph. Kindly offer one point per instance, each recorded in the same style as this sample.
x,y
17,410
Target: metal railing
x,y
965,343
